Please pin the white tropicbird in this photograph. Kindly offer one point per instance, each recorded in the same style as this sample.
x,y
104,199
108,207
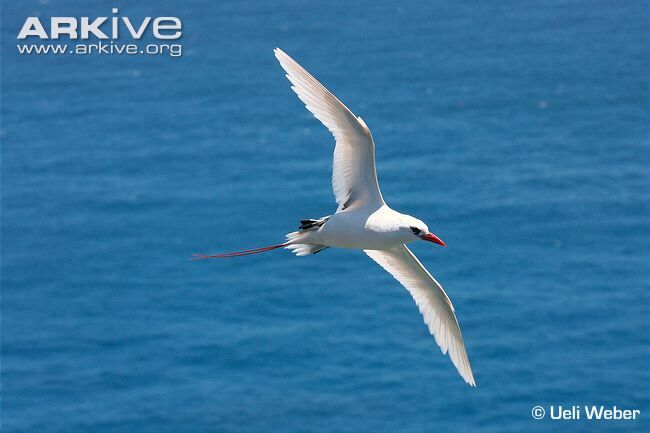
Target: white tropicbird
x,y
363,220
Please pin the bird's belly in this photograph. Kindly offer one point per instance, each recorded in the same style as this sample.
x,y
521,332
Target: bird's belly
x,y
350,231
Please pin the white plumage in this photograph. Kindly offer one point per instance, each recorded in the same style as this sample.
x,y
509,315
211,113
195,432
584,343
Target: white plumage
x,y
368,223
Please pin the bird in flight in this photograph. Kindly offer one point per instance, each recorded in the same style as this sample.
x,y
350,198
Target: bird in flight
x,y
363,220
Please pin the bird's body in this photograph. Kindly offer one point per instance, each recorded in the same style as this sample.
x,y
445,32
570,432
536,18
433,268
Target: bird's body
x,y
363,220
364,228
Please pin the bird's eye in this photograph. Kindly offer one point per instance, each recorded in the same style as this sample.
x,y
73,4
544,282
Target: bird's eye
x,y
416,231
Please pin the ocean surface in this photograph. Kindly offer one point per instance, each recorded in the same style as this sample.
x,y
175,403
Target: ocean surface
x,y
518,132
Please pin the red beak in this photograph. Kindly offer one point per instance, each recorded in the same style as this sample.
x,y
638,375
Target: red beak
x,y
430,237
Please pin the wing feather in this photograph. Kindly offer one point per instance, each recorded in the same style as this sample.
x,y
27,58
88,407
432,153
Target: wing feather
x,y
354,176
431,299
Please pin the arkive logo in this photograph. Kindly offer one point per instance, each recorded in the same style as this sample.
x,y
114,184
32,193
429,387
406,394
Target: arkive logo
x,y
105,30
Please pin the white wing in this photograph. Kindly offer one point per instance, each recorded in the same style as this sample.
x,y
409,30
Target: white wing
x,y
433,302
354,177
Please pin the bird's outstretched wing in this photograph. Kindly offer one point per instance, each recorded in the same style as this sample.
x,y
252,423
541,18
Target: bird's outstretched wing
x,y
431,299
354,177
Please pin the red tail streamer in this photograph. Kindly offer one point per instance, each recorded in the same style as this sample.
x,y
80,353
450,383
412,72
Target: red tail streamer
x,y
238,253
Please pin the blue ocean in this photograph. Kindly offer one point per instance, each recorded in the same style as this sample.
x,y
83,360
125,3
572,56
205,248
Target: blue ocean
x,y
517,131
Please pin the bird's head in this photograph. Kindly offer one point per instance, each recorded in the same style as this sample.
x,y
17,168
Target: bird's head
x,y
420,230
